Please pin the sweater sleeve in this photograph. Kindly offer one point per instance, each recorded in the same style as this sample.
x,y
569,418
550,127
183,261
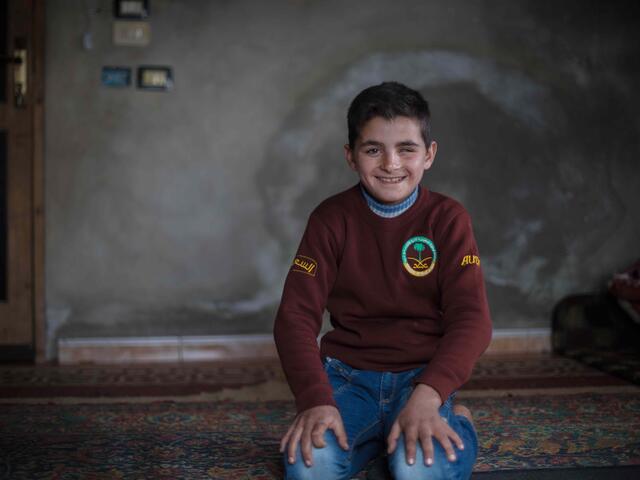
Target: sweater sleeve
x,y
465,311
299,318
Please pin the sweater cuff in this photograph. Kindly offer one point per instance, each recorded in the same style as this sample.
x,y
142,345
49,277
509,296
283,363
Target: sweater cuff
x,y
314,397
441,382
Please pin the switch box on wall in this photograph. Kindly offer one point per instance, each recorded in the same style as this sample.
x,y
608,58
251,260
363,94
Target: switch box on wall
x,y
131,34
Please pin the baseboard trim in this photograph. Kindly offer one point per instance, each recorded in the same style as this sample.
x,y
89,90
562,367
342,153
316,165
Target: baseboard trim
x,y
520,340
178,349
164,349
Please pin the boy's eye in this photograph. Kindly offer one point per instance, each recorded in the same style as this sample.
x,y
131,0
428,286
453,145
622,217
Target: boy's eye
x,y
371,151
407,150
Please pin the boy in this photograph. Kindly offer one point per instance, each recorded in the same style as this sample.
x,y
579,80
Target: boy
x,y
397,267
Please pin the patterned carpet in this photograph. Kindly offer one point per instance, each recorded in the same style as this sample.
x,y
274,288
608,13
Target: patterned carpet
x,y
620,363
132,380
238,440
530,413
175,380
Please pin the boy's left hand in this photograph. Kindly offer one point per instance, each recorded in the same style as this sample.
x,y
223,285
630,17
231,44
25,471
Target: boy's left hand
x,y
420,420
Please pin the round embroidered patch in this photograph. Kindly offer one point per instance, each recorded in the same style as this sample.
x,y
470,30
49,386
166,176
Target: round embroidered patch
x,y
417,260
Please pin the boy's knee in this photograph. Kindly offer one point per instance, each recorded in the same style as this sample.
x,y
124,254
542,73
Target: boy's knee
x,y
420,472
441,468
329,462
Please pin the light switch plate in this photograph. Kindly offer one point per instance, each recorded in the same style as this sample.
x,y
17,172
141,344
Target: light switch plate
x,y
116,76
159,78
131,34
132,9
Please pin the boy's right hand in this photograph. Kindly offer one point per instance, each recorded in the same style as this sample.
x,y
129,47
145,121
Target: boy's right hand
x,y
309,426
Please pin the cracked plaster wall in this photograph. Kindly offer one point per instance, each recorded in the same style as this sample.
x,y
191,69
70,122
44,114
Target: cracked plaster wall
x,y
178,213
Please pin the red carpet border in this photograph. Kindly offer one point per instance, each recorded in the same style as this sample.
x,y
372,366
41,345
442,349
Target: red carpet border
x,y
491,372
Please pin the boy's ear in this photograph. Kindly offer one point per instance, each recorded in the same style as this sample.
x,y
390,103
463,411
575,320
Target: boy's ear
x,y
348,153
431,155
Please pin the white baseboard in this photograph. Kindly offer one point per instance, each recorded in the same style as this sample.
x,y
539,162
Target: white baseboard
x,y
178,349
520,340
164,349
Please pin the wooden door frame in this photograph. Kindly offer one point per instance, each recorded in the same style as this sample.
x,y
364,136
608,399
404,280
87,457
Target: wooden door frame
x,y
38,85
35,350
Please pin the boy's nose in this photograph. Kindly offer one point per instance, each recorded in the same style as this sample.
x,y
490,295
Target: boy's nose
x,y
390,162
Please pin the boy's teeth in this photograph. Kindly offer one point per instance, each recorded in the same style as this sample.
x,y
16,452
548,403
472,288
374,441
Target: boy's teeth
x,y
390,180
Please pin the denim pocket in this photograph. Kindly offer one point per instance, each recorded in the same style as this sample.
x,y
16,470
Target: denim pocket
x,y
341,368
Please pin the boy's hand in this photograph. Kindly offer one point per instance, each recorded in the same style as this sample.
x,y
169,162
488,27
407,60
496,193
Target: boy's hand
x,y
420,420
309,426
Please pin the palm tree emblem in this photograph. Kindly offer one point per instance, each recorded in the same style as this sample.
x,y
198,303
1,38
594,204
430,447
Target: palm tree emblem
x,y
420,266
420,263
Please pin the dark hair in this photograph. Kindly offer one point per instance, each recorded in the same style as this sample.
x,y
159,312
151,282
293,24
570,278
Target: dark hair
x,y
388,100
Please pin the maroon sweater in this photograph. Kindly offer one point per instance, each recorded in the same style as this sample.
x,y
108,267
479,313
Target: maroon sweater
x,y
402,292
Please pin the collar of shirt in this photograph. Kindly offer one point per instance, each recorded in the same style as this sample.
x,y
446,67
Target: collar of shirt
x,y
393,210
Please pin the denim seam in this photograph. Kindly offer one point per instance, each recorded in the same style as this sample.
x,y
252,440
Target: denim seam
x,y
346,372
342,388
357,437
379,399
351,372
463,419
393,388
343,374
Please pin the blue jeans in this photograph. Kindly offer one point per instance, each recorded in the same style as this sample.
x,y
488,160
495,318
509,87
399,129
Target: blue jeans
x,y
369,403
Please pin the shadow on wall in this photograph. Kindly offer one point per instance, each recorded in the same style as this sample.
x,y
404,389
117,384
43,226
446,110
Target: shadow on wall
x,y
511,149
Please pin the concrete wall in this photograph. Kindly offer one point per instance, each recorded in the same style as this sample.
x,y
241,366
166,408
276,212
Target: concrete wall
x,y
178,213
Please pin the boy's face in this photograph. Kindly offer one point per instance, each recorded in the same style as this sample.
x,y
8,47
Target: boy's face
x,y
390,157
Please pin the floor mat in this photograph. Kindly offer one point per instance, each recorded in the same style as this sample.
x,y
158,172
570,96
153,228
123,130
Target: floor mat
x,y
239,440
620,363
175,380
225,419
596,473
26,381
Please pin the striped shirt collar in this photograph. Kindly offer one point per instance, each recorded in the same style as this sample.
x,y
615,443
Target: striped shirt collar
x,y
389,211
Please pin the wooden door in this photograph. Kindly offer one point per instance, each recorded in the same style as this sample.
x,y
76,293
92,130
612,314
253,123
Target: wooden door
x,y
21,86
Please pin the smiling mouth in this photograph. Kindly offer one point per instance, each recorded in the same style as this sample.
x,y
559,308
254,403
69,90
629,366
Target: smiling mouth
x,y
390,180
